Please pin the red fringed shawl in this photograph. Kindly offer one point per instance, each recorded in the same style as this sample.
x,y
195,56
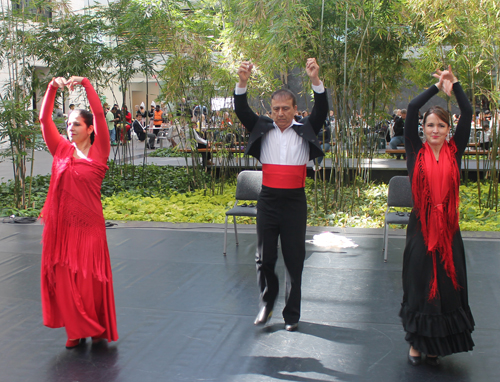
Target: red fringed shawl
x,y
435,187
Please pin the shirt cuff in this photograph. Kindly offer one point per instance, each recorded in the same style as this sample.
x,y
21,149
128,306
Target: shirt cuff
x,y
240,91
319,88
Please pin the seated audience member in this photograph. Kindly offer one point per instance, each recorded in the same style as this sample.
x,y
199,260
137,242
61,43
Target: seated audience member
x,y
193,136
141,132
399,130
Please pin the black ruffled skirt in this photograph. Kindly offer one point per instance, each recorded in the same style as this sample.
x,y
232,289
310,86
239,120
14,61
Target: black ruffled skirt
x,y
444,325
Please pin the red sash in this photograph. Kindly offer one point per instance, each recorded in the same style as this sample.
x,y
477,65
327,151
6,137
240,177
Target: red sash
x,y
283,176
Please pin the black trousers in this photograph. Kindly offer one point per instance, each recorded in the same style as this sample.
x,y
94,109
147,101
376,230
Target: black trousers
x,y
283,213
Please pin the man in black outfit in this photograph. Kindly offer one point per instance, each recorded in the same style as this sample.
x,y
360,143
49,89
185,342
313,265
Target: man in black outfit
x,y
283,146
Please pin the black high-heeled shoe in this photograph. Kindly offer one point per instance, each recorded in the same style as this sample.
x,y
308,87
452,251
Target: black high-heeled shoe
x,y
414,360
432,361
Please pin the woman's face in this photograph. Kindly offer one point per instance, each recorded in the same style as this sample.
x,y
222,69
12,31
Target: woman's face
x,y
78,131
435,130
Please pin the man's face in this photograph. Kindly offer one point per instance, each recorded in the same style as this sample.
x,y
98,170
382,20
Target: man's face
x,y
282,111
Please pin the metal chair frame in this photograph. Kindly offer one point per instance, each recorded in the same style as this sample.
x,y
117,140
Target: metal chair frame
x,y
399,195
248,186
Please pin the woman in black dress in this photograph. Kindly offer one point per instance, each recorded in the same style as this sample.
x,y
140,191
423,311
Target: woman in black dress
x,y
435,309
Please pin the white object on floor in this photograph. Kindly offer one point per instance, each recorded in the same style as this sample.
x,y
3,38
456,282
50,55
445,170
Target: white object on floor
x,y
331,240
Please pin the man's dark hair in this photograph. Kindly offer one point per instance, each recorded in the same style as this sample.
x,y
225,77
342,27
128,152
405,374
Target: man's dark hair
x,y
138,114
285,93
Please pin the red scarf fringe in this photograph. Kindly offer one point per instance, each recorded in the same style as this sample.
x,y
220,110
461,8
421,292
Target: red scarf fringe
x,y
436,208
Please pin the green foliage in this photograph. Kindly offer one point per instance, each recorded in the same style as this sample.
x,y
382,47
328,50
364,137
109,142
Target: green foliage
x,y
473,218
188,207
363,206
71,45
145,181
165,153
164,196
40,186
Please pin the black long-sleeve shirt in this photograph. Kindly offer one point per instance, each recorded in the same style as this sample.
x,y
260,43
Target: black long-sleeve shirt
x,y
413,143
399,126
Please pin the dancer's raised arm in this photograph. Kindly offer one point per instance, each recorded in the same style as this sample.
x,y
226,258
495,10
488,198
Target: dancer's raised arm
x,y
49,129
449,82
101,145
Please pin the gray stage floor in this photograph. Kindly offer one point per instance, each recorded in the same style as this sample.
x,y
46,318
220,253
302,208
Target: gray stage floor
x,y
185,312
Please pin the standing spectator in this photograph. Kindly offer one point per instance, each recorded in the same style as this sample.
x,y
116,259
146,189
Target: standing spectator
x,y
71,108
142,110
324,137
110,121
117,120
128,120
157,120
484,137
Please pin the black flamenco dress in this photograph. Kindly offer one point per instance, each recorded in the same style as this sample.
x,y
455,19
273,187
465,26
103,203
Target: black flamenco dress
x,y
442,324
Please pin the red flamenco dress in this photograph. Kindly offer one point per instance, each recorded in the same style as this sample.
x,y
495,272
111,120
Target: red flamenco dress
x,y
76,280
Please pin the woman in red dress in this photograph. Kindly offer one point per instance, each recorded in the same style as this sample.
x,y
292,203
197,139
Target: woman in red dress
x,y
76,280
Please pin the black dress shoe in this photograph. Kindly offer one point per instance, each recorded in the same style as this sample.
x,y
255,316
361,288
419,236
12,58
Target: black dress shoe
x,y
432,361
414,360
264,315
291,327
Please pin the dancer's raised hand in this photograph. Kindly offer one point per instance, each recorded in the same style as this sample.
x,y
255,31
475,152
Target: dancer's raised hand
x,y
446,80
58,82
74,80
244,72
312,70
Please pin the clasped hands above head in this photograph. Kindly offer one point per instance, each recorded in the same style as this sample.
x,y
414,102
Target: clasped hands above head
x,y
446,80
62,82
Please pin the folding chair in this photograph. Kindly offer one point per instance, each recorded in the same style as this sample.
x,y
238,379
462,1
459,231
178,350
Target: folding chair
x,y
399,195
248,186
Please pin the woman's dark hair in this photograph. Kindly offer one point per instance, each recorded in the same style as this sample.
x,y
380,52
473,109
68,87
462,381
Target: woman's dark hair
x,y
88,119
442,114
